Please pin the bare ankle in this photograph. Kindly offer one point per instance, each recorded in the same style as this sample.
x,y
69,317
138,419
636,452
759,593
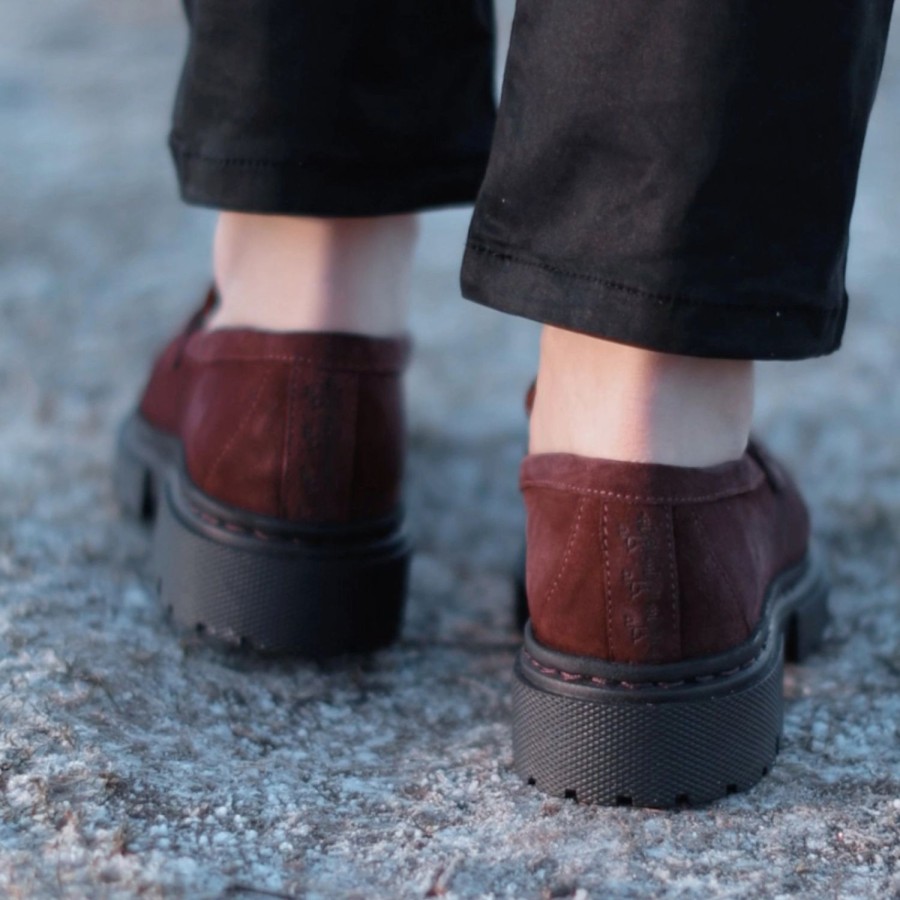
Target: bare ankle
x,y
285,273
606,400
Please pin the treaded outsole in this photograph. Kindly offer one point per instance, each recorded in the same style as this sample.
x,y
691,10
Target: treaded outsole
x,y
143,454
658,746
293,597
644,755
289,595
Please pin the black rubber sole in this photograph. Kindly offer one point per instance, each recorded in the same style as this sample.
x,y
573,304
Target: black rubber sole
x,y
520,593
664,736
256,582
143,456
253,582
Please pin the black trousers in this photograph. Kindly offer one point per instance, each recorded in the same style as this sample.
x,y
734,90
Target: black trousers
x,y
674,174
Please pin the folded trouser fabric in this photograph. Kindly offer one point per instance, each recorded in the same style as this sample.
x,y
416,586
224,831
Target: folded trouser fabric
x,y
673,174
337,108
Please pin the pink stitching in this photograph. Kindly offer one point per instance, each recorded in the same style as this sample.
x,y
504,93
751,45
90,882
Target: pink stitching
x,y
697,679
234,528
673,575
634,498
345,366
565,561
607,587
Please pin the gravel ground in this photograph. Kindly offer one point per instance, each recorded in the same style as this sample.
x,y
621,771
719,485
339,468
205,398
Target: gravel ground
x,y
138,762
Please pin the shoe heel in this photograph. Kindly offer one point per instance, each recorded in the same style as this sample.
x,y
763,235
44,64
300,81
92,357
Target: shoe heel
x,y
806,627
656,743
132,482
142,456
647,746
290,595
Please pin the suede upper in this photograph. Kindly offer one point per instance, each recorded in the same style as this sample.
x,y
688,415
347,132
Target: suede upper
x,y
167,389
641,563
301,426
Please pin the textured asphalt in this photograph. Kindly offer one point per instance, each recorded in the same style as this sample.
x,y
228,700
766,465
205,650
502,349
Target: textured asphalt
x,y
135,762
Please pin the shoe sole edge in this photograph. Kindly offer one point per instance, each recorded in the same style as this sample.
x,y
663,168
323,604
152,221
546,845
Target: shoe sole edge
x,y
143,455
652,745
290,597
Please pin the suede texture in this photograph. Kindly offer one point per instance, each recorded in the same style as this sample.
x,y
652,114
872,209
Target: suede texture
x,y
162,404
305,427
639,563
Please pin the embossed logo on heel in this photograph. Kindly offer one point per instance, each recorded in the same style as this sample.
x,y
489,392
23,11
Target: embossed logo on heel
x,y
647,611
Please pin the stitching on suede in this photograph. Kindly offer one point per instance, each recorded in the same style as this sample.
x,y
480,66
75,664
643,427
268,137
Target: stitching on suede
x,y
631,685
673,573
506,256
635,498
568,552
235,528
307,360
288,441
606,579
240,428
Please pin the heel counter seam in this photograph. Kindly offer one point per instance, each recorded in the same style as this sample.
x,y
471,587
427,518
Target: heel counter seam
x,y
607,579
674,580
288,443
241,427
353,474
570,543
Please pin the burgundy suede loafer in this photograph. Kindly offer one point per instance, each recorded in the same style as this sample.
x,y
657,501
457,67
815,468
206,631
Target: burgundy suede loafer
x,y
272,464
150,438
662,603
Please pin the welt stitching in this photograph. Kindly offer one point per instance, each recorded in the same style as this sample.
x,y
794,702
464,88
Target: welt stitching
x,y
650,295
242,529
636,498
568,552
614,682
237,528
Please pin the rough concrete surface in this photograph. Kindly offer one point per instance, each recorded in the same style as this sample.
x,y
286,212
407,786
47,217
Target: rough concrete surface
x,y
137,762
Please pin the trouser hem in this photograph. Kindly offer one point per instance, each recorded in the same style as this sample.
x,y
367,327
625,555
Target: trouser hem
x,y
321,188
745,327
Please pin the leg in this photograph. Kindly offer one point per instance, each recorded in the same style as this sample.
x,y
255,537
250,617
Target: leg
x,y
694,202
602,399
295,273
674,190
283,116
269,440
